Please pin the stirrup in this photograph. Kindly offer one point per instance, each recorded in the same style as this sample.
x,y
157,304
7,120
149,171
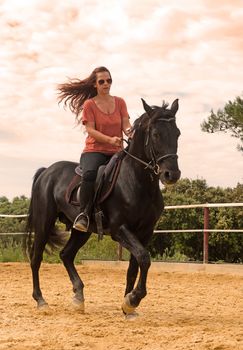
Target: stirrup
x,y
79,226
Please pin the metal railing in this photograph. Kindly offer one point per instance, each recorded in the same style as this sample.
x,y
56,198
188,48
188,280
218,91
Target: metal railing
x,y
205,230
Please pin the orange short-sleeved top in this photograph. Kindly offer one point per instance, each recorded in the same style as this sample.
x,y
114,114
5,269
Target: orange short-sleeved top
x,y
108,124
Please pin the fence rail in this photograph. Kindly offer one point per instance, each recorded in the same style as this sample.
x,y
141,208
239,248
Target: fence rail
x,y
13,216
205,230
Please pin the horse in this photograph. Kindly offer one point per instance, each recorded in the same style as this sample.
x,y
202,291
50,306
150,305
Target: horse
x,y
130,211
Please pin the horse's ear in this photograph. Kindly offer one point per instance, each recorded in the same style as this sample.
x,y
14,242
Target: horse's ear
x,y
175,106
146,107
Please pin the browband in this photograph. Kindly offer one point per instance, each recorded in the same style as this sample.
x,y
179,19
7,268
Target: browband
x,y
166,120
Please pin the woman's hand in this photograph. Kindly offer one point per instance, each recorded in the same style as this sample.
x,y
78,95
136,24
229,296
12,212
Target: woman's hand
x,y
115,141
98,136
129,132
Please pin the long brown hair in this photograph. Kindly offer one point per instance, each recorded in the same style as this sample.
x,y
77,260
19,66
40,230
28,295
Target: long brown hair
x,y
76,91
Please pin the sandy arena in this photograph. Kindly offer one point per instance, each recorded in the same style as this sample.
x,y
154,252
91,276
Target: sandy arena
x,y
182,311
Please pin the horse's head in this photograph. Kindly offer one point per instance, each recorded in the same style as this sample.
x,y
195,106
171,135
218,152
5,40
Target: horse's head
x,y
161,136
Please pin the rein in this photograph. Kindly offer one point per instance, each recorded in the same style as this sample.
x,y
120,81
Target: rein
x,y
155,168
153,164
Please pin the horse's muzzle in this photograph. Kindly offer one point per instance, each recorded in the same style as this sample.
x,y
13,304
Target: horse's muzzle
x,y
169,177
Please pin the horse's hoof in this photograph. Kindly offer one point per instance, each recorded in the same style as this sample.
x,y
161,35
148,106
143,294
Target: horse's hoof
x,y
42,305
127,308
79,305
132,316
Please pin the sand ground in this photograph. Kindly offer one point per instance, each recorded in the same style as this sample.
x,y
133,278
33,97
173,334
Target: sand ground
x,y
181,311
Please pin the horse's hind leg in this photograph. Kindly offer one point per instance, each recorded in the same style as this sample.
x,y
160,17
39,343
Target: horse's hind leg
x,y
75,242
36,259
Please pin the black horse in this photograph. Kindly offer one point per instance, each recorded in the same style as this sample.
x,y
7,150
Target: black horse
x,y
131,210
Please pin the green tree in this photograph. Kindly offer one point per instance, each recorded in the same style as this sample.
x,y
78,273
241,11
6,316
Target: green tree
x,y
222,246
18,206
229,119
11,246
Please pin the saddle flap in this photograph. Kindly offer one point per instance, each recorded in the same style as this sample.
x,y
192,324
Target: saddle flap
x,y
72,191
106,178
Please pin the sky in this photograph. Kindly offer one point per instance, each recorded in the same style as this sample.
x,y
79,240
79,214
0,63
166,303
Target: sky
x,y
155,49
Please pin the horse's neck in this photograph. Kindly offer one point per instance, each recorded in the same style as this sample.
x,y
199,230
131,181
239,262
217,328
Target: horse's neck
x,y
144,175
137,147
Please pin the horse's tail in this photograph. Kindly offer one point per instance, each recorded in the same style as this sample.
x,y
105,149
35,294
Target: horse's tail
x,y
30,225
56,239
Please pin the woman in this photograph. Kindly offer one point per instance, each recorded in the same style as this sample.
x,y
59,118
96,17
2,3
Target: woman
x,y
104,117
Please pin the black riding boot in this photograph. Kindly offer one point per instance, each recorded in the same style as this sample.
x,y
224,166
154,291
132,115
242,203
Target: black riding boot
x,y
81,222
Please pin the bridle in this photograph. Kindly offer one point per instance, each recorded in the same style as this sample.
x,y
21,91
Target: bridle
x,y
153,163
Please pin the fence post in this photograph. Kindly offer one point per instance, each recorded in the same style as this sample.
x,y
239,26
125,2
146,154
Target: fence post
x,y
205,235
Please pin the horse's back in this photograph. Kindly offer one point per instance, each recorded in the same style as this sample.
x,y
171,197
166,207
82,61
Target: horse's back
x,y
60,169
55,178
63,166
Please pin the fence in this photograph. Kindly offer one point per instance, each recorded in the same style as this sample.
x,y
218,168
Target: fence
x,y
206,207
206,212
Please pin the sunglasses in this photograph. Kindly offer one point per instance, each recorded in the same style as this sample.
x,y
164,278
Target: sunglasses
x,y
102,81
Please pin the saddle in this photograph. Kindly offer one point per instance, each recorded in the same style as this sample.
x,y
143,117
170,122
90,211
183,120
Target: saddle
x,y
104,184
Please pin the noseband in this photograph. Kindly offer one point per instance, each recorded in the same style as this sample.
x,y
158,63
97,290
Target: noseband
x,y
153,164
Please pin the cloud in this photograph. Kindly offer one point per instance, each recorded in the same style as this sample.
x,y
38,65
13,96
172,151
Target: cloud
x,y
156,50
7,136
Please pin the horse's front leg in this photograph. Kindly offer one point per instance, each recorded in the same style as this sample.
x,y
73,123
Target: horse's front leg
x,y
132,273
129,241
75,242
132,270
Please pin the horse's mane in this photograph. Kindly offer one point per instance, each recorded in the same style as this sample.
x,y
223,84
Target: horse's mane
x,y
164,106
